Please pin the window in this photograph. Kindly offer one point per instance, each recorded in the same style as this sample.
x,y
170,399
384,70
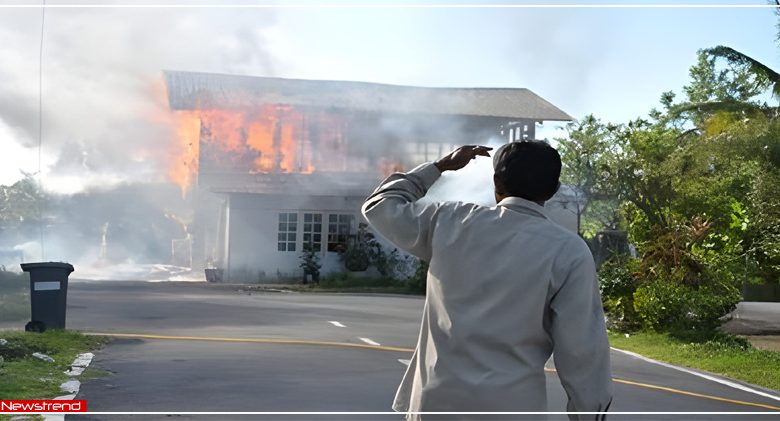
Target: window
x,y
312,230
288,227
339,229
426,152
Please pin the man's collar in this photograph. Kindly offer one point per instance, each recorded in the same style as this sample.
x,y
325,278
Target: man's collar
x,y
523,205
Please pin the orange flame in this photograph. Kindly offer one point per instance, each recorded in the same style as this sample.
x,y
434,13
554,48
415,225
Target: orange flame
x,y
183,170
268,139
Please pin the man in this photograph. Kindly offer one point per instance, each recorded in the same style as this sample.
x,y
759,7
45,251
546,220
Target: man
x,y
506,288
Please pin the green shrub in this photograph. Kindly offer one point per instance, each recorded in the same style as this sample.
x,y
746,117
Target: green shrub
x,y
418,281
710,303
667,306
14,295
13,282
617,283
660,304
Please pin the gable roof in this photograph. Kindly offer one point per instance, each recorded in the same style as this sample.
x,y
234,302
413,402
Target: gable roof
x,y
191,90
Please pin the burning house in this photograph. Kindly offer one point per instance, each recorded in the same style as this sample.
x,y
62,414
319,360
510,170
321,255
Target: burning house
x,y
274,163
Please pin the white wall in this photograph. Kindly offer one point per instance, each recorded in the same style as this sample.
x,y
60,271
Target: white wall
x,y
253,227
254,218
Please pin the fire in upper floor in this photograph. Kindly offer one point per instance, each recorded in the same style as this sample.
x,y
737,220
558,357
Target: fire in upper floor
x,y
235,128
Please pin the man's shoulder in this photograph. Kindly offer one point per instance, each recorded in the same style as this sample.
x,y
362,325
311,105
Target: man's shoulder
x,y
457,207
568,242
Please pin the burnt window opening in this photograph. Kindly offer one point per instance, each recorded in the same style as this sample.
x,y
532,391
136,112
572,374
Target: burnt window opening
x,y
312,231
288,229
420,152
340,226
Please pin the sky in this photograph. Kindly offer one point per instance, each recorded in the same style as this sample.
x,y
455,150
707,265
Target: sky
x,y
105,119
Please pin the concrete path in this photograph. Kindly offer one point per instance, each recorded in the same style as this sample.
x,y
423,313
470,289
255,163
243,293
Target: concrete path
x,y
754,318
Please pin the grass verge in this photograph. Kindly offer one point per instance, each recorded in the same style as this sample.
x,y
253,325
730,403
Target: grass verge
x,y
725,355
23,376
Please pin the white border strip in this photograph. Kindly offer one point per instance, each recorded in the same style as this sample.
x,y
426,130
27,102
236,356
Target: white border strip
x,y
78,366
392,6
428,413
702,375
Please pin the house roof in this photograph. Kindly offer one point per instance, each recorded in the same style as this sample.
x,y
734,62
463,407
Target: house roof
x,y
190,90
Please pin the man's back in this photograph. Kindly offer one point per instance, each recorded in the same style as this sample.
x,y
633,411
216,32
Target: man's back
x,y
492,274
506,287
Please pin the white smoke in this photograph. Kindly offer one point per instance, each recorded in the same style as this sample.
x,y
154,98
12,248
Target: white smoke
x,y
472,184
105,114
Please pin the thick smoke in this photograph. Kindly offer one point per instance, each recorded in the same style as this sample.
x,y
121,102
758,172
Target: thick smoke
x,y
107,125
106,116
108,135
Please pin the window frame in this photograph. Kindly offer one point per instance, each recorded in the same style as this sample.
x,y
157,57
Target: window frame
x,y
284,232
340,230
315,219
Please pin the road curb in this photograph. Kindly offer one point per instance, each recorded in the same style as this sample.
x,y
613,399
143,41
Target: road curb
x,y
77,367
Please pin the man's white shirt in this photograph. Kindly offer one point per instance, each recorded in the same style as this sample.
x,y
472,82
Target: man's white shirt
x,y
506,287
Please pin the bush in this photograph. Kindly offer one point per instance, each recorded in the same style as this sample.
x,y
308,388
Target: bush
x,y
14,296
617,283
418,282
666,306
660,304
710,303
356,259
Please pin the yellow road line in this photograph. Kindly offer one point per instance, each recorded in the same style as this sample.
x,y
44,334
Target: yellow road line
x,y
253,340
698,395
398,349
683,392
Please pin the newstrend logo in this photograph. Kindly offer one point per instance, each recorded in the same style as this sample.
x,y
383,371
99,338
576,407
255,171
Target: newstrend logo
x,y
24,406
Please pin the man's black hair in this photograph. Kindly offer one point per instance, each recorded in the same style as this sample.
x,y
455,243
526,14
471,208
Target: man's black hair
x,y
528,169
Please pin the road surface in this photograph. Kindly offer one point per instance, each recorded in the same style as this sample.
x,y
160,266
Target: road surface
x,y
194,347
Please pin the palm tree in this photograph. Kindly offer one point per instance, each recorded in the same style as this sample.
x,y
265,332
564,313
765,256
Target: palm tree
x,y
763,78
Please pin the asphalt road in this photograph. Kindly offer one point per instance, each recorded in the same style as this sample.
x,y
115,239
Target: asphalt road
x,y
309,352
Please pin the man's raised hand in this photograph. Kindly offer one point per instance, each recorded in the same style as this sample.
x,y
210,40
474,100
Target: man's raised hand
x,y
458,158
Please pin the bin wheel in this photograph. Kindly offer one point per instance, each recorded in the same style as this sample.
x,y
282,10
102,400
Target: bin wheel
x,y
35,326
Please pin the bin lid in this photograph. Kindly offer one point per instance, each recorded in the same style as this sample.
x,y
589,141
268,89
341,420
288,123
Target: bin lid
x,y
47,265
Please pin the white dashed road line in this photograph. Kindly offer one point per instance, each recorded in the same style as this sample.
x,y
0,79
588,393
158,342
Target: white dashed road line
x,y
369,341
404,362
335,323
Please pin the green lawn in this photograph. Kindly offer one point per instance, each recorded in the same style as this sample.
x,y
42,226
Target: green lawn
x,y
726,355
23,376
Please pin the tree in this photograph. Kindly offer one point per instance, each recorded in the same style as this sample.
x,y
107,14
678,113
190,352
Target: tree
x,y
586,155
733,88
20,202
765,230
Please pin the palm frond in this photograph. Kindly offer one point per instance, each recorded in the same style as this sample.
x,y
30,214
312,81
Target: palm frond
x,y
716,106
735,56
